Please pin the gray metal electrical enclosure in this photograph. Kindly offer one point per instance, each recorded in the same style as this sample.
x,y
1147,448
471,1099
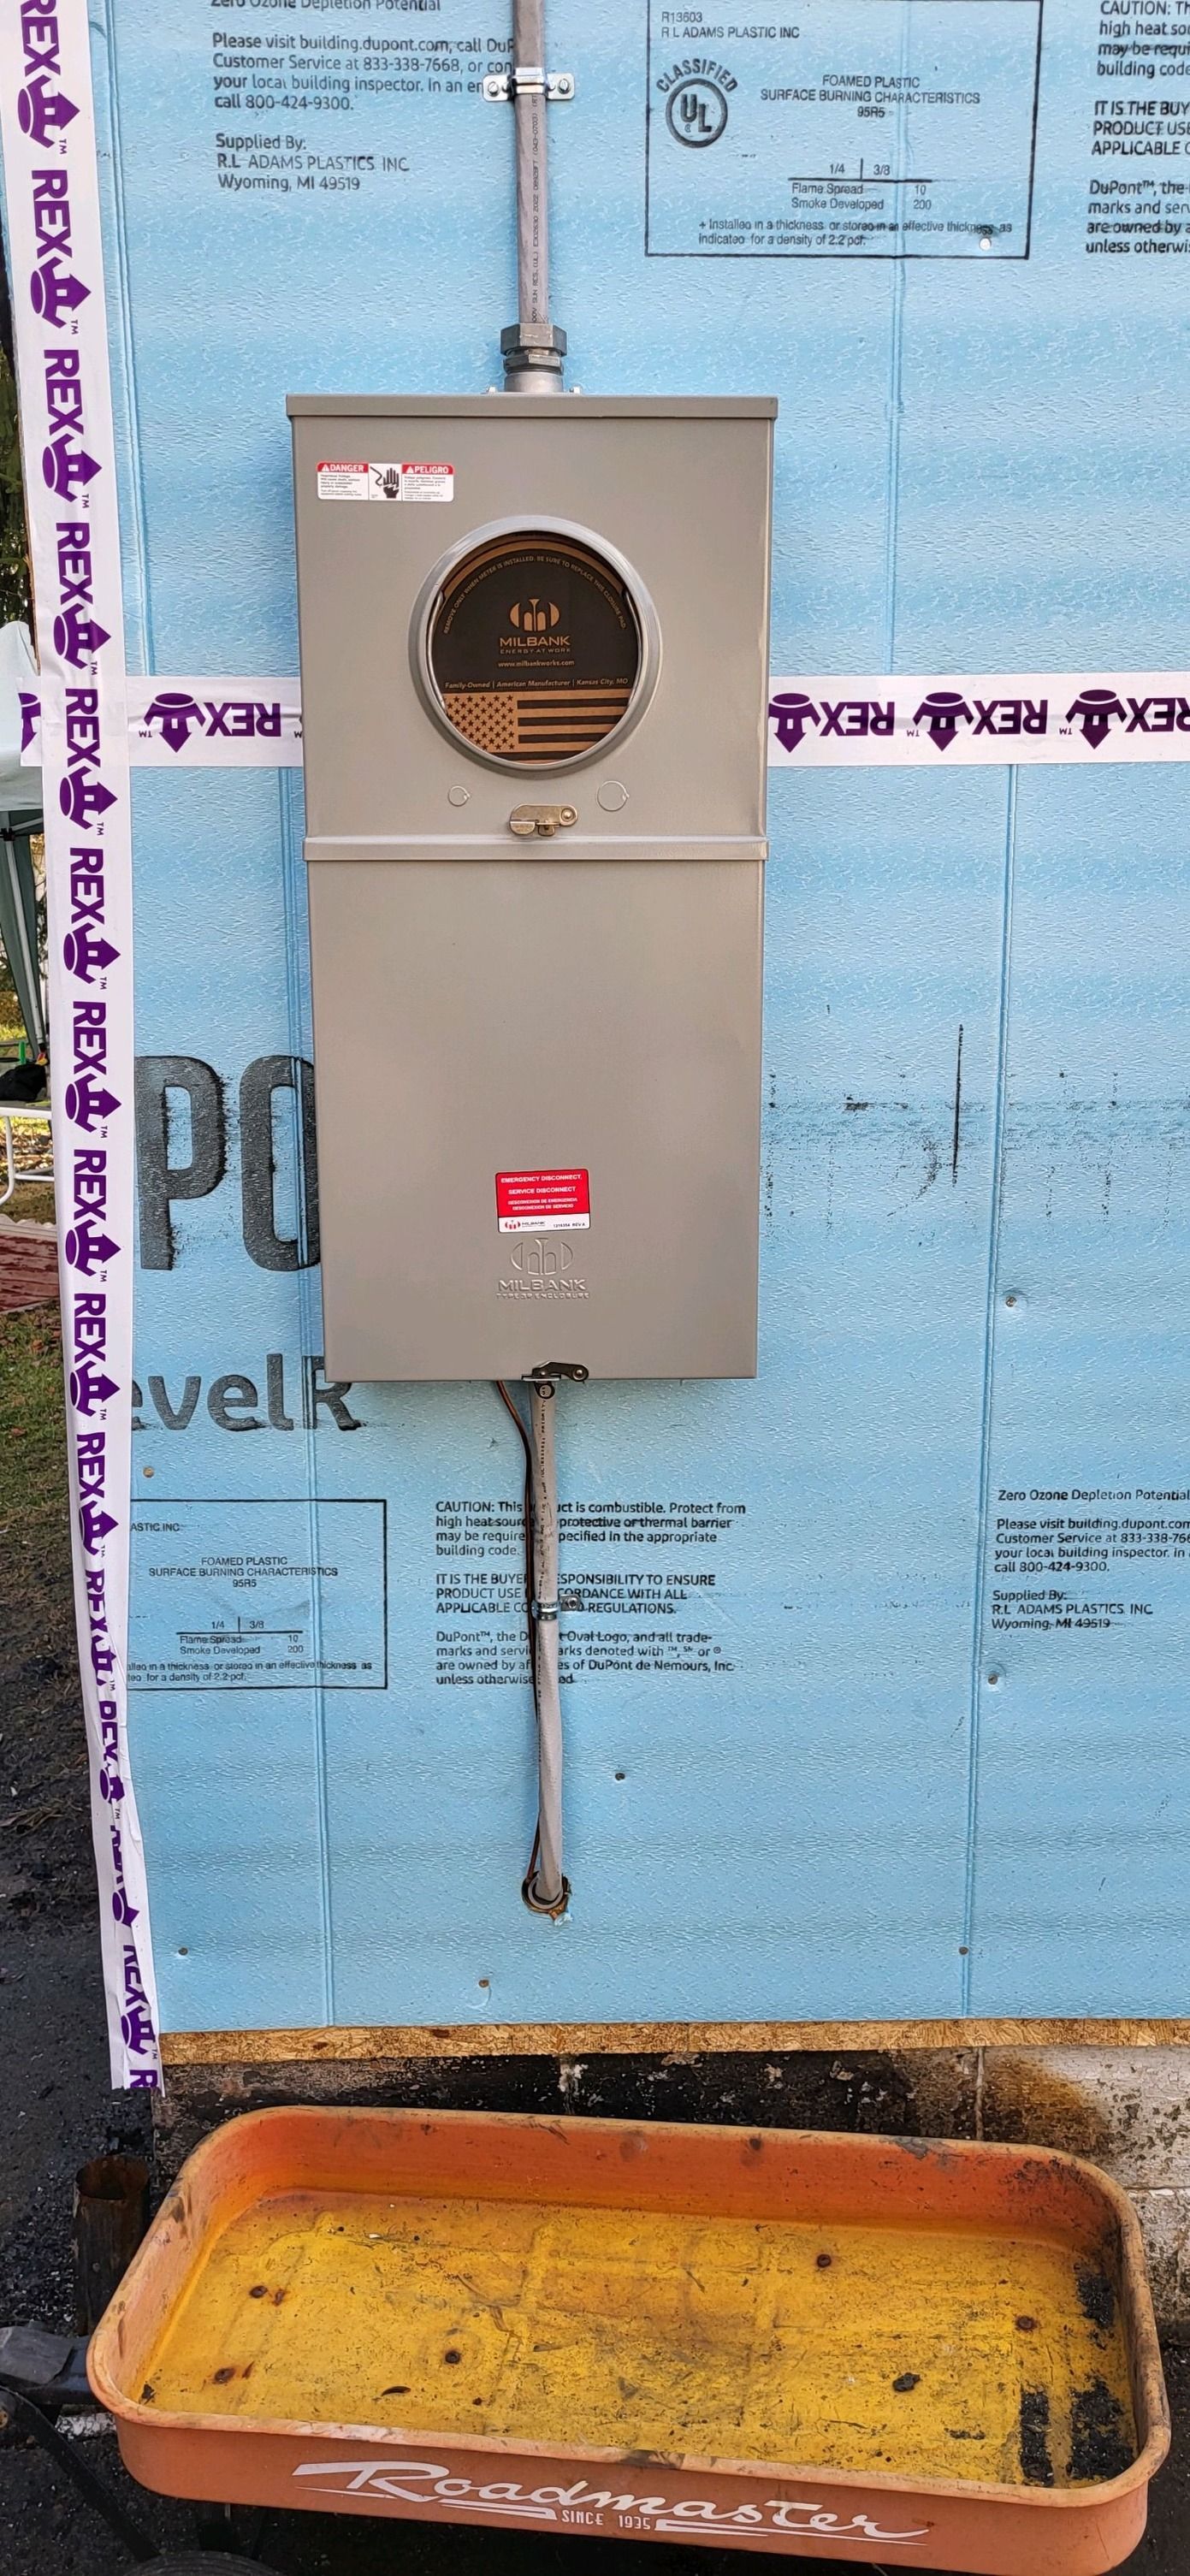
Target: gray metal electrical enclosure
x,y
534,646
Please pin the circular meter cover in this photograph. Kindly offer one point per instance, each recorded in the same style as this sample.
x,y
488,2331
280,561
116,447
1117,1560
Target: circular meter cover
x,y
534,649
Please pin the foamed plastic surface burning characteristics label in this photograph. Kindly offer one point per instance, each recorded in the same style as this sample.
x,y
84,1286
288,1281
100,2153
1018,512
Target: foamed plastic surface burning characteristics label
x,y
543,1202
363,479
877,132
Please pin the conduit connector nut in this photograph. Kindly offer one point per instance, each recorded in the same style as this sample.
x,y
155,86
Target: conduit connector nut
x,y
533,348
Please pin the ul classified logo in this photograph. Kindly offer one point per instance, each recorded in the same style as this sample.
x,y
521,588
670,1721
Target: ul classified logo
x,y
696,112
534,616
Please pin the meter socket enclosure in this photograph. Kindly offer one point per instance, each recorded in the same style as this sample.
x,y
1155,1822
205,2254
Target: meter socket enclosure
x,y
534,650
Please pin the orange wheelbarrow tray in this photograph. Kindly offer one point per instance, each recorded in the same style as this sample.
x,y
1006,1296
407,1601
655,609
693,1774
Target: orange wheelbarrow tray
x,y
855,2349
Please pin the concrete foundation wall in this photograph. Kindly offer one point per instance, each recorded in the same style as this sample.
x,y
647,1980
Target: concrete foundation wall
x,y
1126,2110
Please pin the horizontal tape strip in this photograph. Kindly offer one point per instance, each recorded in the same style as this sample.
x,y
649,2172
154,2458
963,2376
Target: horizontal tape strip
x,y
989,720
993,719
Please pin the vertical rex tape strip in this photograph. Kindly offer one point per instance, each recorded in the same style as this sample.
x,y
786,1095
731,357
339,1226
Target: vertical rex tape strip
x,y
51,184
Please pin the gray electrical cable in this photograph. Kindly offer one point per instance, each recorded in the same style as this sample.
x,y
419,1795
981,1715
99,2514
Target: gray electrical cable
x,y
532,348
545,1886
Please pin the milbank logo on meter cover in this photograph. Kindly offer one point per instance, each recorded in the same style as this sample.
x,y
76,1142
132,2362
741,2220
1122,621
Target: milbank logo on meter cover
x,y
696,93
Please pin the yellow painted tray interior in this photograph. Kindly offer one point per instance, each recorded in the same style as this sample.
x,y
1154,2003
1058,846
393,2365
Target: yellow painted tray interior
x,y
912,2348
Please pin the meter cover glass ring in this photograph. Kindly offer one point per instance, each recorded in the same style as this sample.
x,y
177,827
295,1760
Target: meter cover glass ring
x,y
534,644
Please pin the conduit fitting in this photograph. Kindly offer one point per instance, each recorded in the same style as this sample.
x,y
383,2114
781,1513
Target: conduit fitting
x,y
532,354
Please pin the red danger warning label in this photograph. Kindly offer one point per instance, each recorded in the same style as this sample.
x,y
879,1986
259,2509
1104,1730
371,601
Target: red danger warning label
x,y
543,1202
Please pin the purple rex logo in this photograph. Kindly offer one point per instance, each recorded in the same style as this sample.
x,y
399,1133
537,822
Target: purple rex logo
x,y
137,2028
43,112
849,719
176,713
87,1249
89,1388
87,1103
792,712
942,713
84,955
1095,711
83,799
30,718
54,293
76,638
94,1523
66,468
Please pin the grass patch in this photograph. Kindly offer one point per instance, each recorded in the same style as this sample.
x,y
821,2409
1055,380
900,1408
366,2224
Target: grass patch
x,y
32,1203
33,1491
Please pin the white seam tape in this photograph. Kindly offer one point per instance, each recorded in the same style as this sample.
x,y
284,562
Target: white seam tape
x,y
52,193
872,721
986,720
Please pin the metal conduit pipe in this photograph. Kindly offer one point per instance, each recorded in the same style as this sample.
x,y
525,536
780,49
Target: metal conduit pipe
x,y
531,347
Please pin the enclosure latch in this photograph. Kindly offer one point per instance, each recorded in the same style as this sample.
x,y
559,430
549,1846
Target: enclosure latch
x,y
541,821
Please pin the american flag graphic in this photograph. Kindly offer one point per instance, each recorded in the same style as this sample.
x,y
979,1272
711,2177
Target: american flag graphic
x,y
537,724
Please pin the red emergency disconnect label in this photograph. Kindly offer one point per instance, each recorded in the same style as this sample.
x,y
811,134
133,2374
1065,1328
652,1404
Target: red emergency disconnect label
x,y
543,1202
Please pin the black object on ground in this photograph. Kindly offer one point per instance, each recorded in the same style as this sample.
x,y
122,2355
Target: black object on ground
x,y
23,1081
111,2213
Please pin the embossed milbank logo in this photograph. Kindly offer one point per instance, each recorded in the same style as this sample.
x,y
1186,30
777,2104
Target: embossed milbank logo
x,y
542,1270
427,2483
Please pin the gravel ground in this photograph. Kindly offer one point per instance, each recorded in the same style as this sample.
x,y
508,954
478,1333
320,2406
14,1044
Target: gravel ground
x,y
56,2108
